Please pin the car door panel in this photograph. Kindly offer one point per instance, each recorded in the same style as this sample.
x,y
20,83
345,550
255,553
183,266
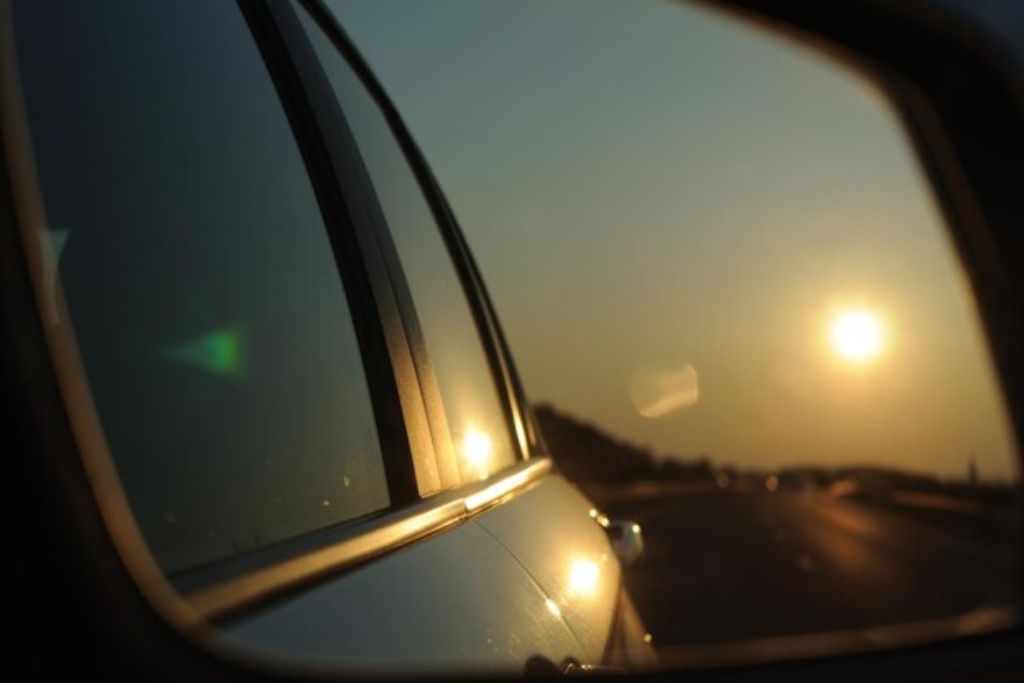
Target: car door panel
x,y
552,530
454,601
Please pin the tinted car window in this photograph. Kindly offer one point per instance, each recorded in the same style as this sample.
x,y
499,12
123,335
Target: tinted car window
x,y
199,279
475,416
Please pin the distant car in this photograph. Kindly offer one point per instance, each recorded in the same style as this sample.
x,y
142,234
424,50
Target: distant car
x,y
296,401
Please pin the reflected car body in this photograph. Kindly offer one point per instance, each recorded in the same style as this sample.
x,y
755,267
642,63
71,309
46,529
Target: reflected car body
x,y
502,567
505,590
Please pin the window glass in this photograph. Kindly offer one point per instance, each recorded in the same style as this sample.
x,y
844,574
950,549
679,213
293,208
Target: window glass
x,y
726,278
200,282
475,415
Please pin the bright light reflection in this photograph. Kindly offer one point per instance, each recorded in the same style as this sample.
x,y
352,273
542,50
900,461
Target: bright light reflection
x,y
476,450
553,608
857,335
582,577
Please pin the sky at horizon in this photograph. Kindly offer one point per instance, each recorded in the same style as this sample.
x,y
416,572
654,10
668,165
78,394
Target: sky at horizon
x,y
671,209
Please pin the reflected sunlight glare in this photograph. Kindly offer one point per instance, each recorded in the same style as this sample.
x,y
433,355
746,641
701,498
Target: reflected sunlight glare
x,y
476,450
583,576
657,390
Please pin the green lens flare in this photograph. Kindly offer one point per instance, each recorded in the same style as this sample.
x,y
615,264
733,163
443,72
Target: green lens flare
x,y
220,352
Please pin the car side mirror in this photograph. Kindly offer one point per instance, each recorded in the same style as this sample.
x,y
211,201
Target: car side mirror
x,y
627,541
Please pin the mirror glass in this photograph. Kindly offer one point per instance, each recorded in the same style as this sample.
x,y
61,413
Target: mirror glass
x,y
765,419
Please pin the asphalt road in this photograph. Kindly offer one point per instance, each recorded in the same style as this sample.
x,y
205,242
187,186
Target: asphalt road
x,y
724,566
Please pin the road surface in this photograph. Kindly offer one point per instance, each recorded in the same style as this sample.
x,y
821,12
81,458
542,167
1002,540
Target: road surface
x,y
724,566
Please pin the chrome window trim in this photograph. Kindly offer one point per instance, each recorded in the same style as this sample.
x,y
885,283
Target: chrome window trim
x,y
281,38
491,337
373,539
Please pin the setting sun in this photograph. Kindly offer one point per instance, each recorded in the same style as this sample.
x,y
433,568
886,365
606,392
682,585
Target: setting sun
x,y
857,335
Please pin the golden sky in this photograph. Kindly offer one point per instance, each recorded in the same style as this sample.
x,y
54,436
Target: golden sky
x,y
673,211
